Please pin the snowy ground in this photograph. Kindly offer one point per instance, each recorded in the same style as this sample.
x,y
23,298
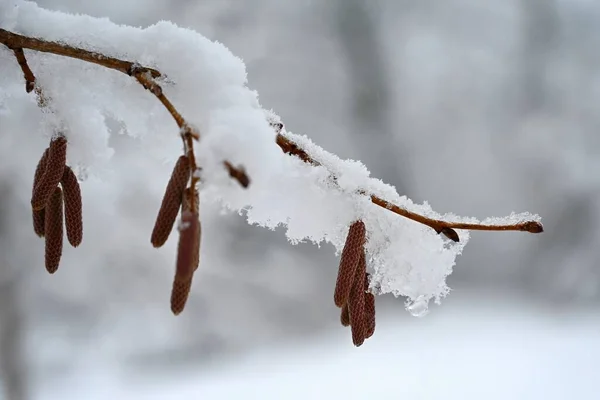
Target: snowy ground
x,y
462,351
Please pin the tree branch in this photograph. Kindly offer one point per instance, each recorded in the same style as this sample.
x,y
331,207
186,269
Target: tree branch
x,y
145,76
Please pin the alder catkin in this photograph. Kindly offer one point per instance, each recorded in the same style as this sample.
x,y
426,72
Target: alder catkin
x,y
55,165
187,260
39,221
189,238
54,231
369,309
187,206
345,315
349,262
171,202
356,304
179,295
73,207
39,215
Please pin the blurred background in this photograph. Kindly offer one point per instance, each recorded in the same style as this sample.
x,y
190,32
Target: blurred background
x,y
479,108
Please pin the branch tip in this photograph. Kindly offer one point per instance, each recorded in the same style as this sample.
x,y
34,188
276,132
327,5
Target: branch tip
x,y
533,227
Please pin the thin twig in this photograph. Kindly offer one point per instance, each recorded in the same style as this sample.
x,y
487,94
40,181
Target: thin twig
x,y
144,75
27,73
187,132
29,77
14,40
444,227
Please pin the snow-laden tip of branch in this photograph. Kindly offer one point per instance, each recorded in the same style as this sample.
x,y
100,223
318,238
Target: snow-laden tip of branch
x,y
316,195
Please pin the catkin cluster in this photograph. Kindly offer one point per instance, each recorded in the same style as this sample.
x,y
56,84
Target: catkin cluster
x,y
54,186
56,204
179,197
351,288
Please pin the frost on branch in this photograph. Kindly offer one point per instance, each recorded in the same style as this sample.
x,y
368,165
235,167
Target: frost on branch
x,y
408,248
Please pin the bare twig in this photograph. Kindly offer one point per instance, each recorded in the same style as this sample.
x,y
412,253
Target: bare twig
x,y
27,73
14,40
144,75
29,76
188,134
443,227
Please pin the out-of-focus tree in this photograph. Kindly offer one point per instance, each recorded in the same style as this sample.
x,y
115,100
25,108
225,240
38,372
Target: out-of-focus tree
x,y
370,92
13,371
540,33
557,146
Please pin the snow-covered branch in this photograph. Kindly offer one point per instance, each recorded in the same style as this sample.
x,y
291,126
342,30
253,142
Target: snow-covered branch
x,y
315,194
440,226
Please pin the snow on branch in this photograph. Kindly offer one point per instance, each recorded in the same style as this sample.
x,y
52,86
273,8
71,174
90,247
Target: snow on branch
x,y
387,243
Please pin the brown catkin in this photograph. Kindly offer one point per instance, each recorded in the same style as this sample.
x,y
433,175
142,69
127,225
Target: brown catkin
x,y
369,309
38,216
179,295
349,262
39,222
187,206
171,202
55,165
73,207
189,238
356,304
54,231
345,315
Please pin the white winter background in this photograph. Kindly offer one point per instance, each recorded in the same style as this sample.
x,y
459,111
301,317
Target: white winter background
x,y
480,110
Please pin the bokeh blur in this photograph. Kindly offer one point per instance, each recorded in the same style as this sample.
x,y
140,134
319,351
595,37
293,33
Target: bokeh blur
x,y
480,108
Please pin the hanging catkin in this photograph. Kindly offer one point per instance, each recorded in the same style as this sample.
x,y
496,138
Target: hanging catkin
x,y
369,309
187,206
179,295
345,315
55,165
171,202
349,262
356,304
73,207
38,216
54,231
187,259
